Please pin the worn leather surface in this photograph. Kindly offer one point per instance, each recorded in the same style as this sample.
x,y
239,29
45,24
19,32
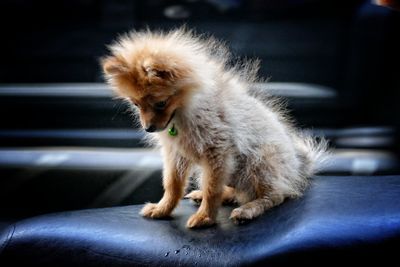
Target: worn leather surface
x,y
339,220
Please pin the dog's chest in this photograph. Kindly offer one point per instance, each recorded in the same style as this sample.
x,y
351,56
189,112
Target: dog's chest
x,y
187,146
186,143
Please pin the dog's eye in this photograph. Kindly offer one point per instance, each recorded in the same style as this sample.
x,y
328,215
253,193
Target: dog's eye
x,y
160,105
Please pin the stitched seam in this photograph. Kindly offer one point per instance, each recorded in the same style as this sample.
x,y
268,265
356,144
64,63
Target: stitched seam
x,y
9,237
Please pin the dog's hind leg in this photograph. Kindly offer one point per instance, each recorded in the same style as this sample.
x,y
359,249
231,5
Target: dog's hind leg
x,y
255,208
228,195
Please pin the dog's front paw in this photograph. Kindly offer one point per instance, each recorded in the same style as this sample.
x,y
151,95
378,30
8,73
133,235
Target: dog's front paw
x,y
199,220
240,215
151,210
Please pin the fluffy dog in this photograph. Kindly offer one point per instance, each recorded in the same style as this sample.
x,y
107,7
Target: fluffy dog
x,y
201,110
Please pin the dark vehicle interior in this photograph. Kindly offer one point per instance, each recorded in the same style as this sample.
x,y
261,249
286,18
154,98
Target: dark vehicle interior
x,y
74,172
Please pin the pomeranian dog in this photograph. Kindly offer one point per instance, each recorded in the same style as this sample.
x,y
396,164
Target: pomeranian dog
x,y
202,111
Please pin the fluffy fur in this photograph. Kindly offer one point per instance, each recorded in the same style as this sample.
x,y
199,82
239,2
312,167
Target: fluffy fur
x,y
245,147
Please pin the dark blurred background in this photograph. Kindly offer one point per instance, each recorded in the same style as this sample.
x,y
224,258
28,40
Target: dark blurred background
x,y
351,46
65,144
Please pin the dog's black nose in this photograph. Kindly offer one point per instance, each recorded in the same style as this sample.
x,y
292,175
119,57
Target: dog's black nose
x,y
151,129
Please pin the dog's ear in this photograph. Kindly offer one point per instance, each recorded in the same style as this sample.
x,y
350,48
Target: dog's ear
x,y
113,66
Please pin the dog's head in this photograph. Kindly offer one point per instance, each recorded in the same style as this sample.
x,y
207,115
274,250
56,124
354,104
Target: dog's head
x,y
156,81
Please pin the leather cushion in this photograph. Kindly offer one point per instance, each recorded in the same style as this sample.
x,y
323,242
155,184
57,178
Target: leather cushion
x,y
340,219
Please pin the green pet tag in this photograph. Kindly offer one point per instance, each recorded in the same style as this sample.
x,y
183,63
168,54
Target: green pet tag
x,y
173,131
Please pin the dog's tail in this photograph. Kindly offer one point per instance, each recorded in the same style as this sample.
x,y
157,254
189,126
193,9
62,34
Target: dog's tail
x,y
313,153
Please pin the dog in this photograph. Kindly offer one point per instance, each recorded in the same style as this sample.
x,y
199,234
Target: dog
x,y
201,110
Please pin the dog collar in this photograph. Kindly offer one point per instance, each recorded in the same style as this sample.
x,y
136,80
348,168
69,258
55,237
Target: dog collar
x,y
173,131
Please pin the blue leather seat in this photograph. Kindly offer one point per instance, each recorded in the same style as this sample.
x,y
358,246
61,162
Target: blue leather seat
x,y
339,220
